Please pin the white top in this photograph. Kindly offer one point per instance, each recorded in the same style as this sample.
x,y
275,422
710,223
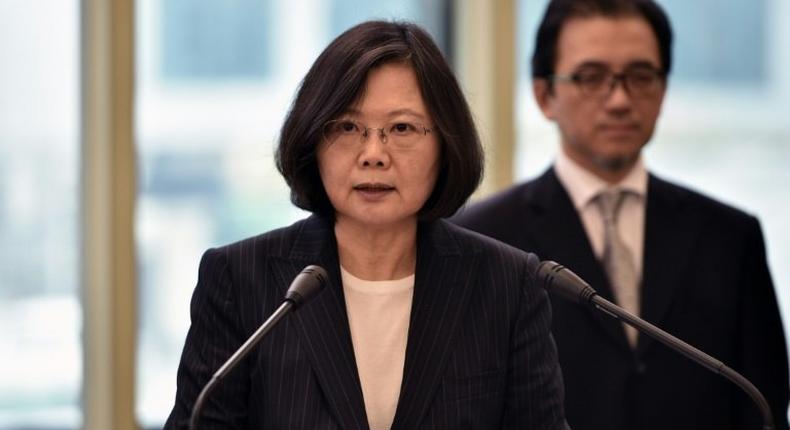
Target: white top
x,y
378,315
583,187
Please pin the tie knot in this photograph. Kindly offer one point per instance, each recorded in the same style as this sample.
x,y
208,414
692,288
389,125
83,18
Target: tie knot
x,y
609,202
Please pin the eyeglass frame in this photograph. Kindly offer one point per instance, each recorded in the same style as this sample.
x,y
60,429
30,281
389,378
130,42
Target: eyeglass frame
x,y
382,133
613,80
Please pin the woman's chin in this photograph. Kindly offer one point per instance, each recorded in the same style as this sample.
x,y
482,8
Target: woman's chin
x,y
378,219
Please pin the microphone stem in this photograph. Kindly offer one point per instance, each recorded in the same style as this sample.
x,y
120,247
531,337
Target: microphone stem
x,y
253,340
237,357
689,351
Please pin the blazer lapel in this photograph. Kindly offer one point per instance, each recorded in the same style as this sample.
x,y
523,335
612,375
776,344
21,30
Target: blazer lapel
x,y
670,234
441,294
556,230
322,324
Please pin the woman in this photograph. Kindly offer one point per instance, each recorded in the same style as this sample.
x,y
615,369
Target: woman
x,y
424,324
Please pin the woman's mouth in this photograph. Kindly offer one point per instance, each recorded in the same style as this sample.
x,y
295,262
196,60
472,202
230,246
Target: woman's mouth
x,y
373,191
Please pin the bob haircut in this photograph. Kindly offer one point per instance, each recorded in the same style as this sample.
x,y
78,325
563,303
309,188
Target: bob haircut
x,y
559,11
337,80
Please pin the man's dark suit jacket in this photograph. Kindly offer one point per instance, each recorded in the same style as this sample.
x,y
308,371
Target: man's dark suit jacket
x,y
479,353
705,280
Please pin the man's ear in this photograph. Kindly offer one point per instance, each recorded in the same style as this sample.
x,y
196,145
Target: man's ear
x,y
544,94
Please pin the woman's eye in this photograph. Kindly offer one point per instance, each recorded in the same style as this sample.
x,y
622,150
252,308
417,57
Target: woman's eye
x,y
347,127
402,127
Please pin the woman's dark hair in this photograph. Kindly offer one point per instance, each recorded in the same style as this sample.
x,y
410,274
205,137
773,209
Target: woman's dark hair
x,y
559,11
337,80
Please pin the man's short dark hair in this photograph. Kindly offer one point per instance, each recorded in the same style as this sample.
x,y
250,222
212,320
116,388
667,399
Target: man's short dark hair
x,y
337,80
558,12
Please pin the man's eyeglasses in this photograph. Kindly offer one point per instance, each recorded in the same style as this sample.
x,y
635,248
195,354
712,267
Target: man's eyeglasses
x,y
643,82
399,134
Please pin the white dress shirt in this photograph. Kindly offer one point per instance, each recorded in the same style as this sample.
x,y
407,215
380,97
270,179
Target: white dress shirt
x,y
583,186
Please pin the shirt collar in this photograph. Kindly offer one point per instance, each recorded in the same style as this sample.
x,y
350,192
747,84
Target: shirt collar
x,y
582,185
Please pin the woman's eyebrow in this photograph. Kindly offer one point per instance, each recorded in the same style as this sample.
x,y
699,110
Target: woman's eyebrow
x,y
406,111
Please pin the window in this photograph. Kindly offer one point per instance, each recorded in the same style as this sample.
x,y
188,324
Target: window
x,y
208,39
723,42
40,310
214,82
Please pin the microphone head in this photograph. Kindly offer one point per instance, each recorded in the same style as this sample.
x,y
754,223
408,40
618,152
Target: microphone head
x,y
559,279
307,284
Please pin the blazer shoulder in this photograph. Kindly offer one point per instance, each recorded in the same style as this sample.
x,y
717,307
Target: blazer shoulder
x,y
509,201
492,250
712,209
506,215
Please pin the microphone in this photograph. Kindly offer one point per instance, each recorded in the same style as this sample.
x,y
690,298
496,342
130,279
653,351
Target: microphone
x,y
307,284
561,280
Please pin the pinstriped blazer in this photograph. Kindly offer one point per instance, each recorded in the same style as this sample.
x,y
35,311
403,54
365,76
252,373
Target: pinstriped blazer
x,y
479,352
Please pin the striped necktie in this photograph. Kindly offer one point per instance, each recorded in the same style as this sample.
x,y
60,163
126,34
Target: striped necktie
x,y
618,259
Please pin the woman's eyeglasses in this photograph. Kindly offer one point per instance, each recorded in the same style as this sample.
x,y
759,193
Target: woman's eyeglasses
x,y
398,134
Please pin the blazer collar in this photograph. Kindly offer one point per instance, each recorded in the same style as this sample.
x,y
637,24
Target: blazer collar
x,y
442,289
322,324
443,271
560,236
671,231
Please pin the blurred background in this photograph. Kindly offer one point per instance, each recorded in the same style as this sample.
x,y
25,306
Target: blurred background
x,y
91,339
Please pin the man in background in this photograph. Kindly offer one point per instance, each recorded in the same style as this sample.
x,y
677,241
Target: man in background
x,y
678,259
